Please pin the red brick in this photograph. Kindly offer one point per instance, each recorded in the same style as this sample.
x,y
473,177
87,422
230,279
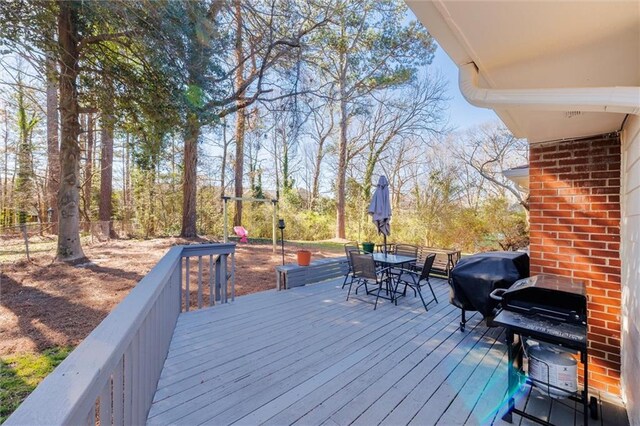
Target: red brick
x,y
552,155
541,164
614,278
600,330
614,262
555,256
559,213
603,316
613,309
602,237
604,269
572,266
604,221
589,229
608,301
589,244
607,190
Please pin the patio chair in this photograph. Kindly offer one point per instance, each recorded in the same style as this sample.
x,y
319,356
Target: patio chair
x,y
417,280
405,250
381,247
365,272
348,248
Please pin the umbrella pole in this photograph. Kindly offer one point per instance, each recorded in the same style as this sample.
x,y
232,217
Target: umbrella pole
x,y
385,244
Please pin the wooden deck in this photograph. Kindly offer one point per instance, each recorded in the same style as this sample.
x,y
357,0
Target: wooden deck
x,y
307,357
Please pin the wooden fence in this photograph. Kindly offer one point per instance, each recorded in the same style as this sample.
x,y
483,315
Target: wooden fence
x,y
111,377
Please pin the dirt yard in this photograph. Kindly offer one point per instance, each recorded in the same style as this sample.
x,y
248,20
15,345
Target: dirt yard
x,y
45,304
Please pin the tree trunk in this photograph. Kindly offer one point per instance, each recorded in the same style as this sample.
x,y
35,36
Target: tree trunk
x,y
192,133
69,246
342,161
24,181
239,167
125,184
315,186
88,169
240,120
105,209
53,147
368,174
223,171
4,212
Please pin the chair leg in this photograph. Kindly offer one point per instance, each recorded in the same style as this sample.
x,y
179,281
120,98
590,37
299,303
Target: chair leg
x,y
377,295
432,292
345,279
395,291
422,298
350,285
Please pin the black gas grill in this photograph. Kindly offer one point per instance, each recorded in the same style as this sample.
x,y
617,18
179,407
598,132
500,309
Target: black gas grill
x,y
549,309
546,296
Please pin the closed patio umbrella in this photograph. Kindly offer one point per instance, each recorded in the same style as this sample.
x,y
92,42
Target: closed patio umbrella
x,y
380,209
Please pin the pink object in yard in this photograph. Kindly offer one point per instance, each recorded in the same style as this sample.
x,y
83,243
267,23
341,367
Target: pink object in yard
x,y
242,233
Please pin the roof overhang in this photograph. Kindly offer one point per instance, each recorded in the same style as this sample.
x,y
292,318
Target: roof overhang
x,y
524,45
519,176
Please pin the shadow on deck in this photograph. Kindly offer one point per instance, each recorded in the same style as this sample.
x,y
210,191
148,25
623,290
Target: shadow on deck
x,y
306,356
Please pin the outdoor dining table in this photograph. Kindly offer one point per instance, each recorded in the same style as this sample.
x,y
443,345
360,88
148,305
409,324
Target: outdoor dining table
x,y
391,260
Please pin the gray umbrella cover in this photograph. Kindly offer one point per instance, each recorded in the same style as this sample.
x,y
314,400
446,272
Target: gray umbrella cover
x,y
380,207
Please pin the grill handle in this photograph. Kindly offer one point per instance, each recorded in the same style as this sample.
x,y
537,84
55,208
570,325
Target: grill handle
x,y
497,294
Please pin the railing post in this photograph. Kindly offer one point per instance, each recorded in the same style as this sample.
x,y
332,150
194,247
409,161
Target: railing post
x,y
199,282
233,276
226,221
211,289
223,273
218,277
187,295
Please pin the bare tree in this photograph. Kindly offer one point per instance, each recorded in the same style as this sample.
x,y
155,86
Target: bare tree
x,y
322,129
415,113
490,150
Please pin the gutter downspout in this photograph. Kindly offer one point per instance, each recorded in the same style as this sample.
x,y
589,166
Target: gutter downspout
x,y
625,100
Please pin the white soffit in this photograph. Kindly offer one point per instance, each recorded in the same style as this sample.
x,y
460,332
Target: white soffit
x,y
534,44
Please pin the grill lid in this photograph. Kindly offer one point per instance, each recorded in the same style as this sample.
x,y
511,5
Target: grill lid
x,y
548,296
550,283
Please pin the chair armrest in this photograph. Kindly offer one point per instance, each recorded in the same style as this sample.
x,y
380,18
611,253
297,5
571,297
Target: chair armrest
x,y
413,274
382,271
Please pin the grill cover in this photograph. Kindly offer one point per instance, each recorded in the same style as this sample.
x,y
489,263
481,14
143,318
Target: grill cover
x,y
475,277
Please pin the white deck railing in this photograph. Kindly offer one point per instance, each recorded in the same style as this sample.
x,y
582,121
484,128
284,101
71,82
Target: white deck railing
x,y
111,376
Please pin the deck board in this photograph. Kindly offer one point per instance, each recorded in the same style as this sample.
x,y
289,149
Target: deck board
x,y
307,356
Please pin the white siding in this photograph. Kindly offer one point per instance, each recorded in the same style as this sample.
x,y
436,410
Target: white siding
x,y
630,239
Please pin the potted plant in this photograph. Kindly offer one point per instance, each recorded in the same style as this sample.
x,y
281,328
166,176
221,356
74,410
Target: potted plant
x,y
304,257
368,247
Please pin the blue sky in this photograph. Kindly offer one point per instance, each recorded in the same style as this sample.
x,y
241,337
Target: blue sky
x,y
462,115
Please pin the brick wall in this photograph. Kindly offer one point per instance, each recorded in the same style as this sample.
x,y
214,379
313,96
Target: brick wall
x,y
575,232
